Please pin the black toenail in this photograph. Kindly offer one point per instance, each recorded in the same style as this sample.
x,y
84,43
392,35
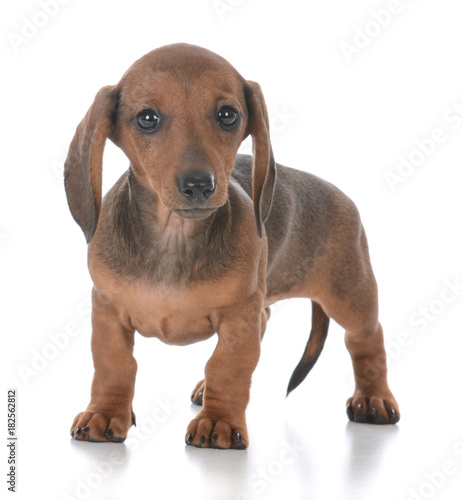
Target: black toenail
x,y
350,412
85,430
394,416
117,440
214,437
134,420
360,417
373,411
109,433
238,436
202,440
78,431
189,439
198,400
380,420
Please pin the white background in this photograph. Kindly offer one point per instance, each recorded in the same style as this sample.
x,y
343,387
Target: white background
x,y
346,119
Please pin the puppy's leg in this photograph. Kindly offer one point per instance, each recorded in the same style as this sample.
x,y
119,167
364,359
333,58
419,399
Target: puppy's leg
x,y
109,415
353,303
198,391
372,401
221,422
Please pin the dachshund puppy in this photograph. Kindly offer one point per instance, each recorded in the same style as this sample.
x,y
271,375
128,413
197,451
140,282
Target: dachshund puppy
x,y
195,239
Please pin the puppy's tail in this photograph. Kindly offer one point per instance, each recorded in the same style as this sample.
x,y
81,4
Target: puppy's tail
x,y
318,334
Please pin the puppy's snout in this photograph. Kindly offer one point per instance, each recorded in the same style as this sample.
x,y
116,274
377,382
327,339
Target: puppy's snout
x,y
196,187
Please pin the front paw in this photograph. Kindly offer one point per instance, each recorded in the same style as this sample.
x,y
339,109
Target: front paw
x,y
102,426
207,432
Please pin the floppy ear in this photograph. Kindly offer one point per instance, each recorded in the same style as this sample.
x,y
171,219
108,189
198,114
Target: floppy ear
x,y
83,166
263,168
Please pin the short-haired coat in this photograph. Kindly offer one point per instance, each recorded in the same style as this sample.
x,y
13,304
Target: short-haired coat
x,y
195,239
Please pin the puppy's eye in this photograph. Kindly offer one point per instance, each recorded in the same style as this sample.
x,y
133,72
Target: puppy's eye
x,y
227,117
147,120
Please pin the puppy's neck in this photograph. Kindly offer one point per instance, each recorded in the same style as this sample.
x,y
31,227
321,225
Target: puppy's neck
x,y
167,231
145,240
173,233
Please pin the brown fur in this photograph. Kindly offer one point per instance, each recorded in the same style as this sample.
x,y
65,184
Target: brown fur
x,y
266,233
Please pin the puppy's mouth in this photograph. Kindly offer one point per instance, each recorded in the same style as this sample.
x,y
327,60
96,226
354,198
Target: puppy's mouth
x,y
195,213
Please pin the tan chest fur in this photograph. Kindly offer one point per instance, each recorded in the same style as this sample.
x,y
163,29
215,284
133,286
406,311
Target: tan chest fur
x,y
175,314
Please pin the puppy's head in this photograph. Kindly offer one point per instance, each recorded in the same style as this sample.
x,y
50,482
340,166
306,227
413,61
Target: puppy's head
x,y
179,114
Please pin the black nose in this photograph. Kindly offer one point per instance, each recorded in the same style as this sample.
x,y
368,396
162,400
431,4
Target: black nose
x,y
196,187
